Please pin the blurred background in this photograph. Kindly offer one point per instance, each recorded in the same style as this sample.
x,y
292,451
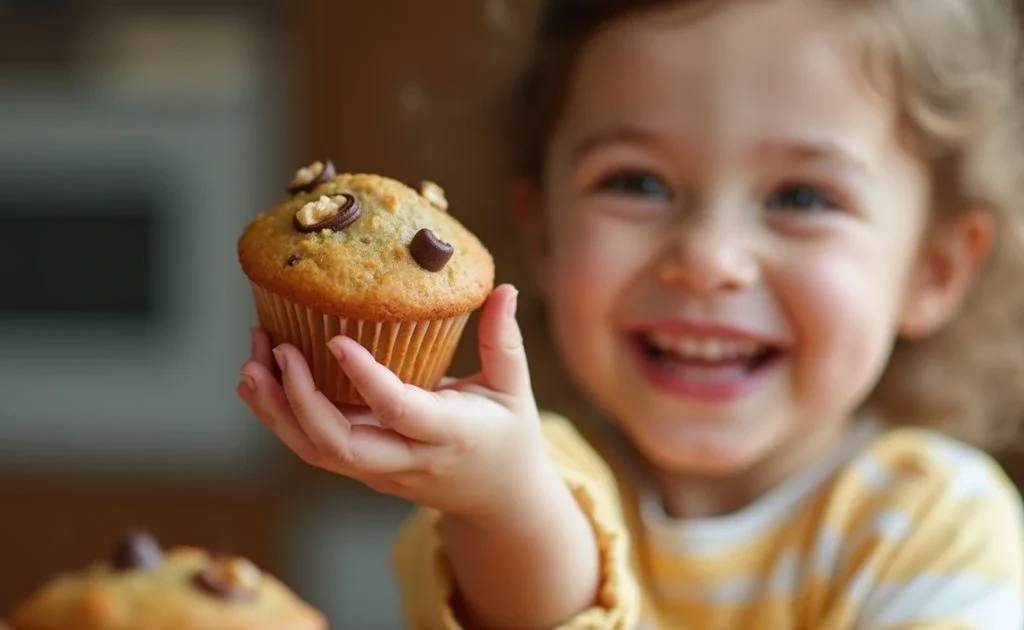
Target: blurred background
x,y
136,140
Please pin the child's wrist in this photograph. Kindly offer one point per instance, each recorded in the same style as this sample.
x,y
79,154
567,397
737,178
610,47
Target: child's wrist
x,y
540,495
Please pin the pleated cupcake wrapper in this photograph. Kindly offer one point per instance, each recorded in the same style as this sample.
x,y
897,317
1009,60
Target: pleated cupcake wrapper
x,y
419,353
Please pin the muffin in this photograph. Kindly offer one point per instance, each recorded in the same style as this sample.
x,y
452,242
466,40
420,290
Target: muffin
x,y
142,588
373,259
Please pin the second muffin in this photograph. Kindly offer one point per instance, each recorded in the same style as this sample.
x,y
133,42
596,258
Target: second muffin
x,y
145,587
370,258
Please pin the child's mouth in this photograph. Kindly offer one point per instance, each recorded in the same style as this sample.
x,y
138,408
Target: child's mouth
x,y
705,367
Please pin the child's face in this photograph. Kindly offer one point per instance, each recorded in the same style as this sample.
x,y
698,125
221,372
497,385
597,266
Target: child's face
x,y
733,232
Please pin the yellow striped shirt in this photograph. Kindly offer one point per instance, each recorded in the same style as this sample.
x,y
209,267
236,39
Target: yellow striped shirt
x,y
899,529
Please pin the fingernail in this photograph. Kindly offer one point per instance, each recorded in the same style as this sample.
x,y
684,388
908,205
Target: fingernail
x,y
248,382
513,304
336,350
279,357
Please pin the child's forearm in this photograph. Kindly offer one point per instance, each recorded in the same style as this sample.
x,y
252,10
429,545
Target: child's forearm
x,y
535,571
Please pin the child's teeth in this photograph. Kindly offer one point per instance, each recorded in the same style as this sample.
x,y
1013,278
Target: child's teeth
x,y
714,350
704,349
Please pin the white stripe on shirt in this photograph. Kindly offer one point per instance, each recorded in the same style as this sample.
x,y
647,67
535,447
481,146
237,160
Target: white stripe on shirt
x,y
962,596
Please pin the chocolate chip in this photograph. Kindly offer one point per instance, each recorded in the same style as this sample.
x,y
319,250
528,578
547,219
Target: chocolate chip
x,y
347,212
430,252
233,579
137,550
308,178
293,260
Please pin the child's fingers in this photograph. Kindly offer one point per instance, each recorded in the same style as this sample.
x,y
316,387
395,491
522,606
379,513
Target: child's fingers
x,y
459,384
502,355
261,349
446,382
411,411
325,425
377,450
263,395
359,415
366,449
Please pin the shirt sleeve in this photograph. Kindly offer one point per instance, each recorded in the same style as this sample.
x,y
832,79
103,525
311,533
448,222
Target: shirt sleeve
x,y
933,545
426,584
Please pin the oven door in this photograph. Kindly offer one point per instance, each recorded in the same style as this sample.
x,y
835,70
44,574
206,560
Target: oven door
x,y
123,312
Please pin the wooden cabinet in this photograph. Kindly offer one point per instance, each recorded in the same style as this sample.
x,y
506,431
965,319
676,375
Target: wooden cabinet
x,y
48,527
416,90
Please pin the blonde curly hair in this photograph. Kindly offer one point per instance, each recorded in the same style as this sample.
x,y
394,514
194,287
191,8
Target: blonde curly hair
x,y
954,68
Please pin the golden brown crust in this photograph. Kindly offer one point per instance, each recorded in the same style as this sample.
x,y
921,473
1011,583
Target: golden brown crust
x,y
100,598
365,271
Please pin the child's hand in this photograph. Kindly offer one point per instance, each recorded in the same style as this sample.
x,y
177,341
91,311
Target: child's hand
x,y
473,448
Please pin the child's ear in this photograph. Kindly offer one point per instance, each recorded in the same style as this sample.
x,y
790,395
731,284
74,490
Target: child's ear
x,y
527,207
948,263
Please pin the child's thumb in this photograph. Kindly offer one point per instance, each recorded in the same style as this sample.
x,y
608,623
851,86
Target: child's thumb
x,y
502,355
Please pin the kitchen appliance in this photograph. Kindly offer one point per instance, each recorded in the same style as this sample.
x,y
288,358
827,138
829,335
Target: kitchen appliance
x,y
123,313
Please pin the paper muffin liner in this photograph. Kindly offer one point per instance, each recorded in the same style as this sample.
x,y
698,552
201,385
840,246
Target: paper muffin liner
x,y
418,352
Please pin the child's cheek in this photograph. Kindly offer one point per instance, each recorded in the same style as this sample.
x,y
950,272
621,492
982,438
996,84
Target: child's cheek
x,y
599,256
841,307
594,264
583,270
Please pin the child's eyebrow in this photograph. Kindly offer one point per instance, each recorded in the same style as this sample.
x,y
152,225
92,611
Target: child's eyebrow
x,y
613,134
805,150
800,150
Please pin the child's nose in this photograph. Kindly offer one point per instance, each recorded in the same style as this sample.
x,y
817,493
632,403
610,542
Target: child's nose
x,y
708,258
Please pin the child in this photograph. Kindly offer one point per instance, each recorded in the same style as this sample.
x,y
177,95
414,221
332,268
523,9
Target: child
x,y
772,236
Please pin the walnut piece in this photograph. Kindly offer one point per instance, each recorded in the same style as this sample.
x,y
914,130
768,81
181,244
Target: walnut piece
x,y
434,194
306,174
317,211
240,574
229,578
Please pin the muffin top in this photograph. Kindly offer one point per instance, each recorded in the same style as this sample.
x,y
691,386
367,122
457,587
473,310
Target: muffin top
x,y
186,589
367,247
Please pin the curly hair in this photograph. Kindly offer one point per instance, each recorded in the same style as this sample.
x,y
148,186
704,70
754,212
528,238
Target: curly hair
x,y
953,67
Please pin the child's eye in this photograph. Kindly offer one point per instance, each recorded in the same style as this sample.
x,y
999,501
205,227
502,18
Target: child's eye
x,y
635,183
800,197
